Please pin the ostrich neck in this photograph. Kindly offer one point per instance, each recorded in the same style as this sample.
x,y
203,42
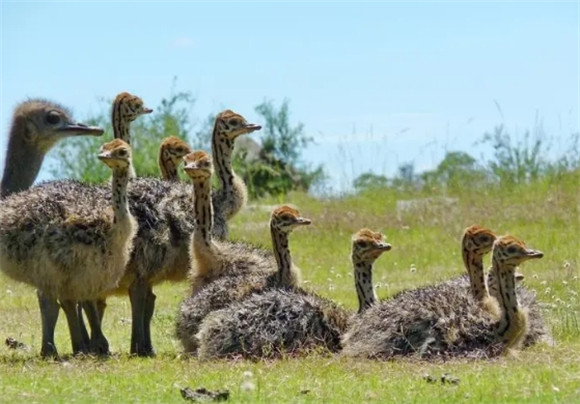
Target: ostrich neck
x,y
203,215
222,149
363,280
167,167
508,300
492,285
232,192
22,164
282,254
121,127
121,130
474,265
120,203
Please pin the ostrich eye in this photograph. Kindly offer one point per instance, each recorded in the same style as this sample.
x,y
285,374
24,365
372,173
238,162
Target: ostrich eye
x,y
134,105
234,122
484,239
122,153
512,250
361,243
179,150
53,117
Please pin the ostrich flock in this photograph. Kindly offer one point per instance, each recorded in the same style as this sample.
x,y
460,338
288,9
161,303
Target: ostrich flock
x,y
79,243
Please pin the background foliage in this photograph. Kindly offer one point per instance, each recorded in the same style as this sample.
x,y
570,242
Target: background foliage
x,y
271,166
521,161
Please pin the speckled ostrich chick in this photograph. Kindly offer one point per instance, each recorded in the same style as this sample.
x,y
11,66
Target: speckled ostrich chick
x,y
288,321
222,271
64,239
445,320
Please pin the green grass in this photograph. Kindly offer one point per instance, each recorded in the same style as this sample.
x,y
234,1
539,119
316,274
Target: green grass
x,y
544,214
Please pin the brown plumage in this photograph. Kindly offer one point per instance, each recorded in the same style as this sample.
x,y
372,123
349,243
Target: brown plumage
x,y
213,259
164,212
476,242
223,272
126,107
161,250
537,329
287,321
232,194
445,320
171,153
273,323
37,125
64,239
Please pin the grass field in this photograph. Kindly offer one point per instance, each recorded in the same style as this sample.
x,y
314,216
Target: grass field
x,y
425,249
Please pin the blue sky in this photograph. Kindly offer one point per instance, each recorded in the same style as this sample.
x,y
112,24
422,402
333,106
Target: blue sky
x,y
376,84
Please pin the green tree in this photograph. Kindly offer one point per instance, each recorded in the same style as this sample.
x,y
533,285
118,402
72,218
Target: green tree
x,y
277,169
368,181
279,139
406,177
457,169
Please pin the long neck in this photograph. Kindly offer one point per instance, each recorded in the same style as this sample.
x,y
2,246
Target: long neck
x,y
167,167
121,130
222,149
203,221
474,265
233,192
283,257
513,320
120,126
363,280
119,184
22,164
492,284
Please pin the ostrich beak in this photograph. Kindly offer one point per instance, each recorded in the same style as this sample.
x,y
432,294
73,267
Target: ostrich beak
x,y
79,129
251,127
385,247
531,254
303,221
